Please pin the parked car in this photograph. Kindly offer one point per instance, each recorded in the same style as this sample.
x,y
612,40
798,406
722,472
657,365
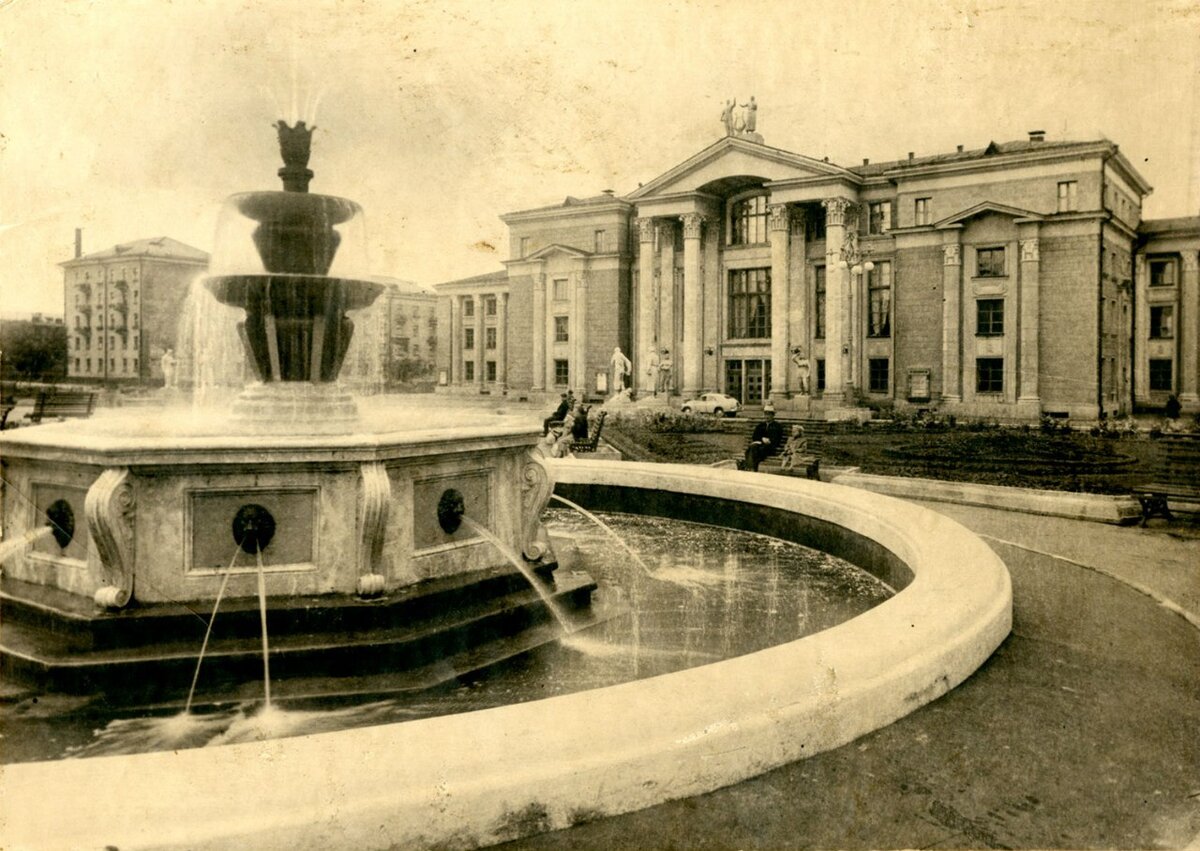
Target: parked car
x,y
713,403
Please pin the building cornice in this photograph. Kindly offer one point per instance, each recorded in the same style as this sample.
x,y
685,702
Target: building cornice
x,y
559,211
1016,159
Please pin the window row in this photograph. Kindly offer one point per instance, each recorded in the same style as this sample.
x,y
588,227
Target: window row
x,y
489,371
468,306
489,338
112,364
127,342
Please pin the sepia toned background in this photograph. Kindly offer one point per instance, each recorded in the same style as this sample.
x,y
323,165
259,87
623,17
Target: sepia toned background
x,y
133,120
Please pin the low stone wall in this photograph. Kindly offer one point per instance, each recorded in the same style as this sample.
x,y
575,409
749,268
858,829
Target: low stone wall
x,y
1076,506
465,780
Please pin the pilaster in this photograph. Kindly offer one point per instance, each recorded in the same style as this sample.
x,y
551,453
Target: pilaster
x,y
539,332
456,339
1189,328
693,306
1141,330
666,295
579,367
777,226
952,315
502,341
480,349
646,342
1030,309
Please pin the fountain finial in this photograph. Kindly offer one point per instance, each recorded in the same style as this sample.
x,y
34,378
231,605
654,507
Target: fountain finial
x,y
295,144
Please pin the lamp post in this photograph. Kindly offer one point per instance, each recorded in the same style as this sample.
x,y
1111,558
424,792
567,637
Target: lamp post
x,y
857,258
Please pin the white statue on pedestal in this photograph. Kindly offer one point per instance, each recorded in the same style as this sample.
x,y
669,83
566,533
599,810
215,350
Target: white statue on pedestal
x,y
620,367
168,369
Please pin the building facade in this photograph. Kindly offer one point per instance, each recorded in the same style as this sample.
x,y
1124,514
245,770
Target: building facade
x,y
123,306
1004,282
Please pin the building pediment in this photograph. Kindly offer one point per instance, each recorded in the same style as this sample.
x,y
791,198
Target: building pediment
x,y
556,248
729,164
987,208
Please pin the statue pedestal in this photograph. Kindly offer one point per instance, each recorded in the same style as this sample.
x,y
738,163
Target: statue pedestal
x,y
296,407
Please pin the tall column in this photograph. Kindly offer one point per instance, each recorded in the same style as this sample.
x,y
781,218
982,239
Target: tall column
x,y
646,343
951,316
837,282
539,332
480,350
692,362
778,227
1189,327
455,337
1030,310
502,341
666,296
579,365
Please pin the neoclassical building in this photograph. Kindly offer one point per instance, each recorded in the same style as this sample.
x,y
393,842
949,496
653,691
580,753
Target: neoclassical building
x,y
1007,281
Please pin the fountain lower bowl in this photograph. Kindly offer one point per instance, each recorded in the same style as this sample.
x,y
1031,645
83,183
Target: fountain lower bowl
x,y
492,775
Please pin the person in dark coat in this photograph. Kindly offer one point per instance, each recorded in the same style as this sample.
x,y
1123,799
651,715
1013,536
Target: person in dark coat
x,y
767,437
560,413
579,428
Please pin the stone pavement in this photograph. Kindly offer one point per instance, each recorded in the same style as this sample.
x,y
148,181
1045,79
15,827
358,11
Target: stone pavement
x,y
1080,732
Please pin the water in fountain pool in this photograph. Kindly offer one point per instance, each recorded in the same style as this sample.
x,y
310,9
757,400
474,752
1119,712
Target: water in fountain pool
x,y
712,593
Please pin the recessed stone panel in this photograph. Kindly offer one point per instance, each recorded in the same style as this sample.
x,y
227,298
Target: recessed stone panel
x,y
211,519
45,496
475,488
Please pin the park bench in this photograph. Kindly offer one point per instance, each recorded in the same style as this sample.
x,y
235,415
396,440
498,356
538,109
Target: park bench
x,y
1177,480
807,464
62,405
593,439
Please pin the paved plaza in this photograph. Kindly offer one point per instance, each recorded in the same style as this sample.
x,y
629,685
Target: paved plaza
x,y
1078,733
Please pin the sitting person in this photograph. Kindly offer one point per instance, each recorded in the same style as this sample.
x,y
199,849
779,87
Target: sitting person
x,y
579,427
796,447
768,435
560,413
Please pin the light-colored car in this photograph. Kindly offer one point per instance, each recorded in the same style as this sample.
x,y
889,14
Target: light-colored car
x,y
713,403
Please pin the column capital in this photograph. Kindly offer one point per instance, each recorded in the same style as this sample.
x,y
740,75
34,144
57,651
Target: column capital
x,y
952,254
1191,261
798,221
836,210
777,217
645,229
692,225
1029,250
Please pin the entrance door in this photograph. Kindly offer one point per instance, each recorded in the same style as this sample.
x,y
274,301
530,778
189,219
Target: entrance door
x,y
748,381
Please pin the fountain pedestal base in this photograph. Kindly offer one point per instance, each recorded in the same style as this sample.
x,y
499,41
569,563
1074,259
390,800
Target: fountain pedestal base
x,y
295,407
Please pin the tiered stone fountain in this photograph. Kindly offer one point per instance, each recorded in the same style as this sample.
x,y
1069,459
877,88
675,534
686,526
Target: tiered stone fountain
x,y
365,562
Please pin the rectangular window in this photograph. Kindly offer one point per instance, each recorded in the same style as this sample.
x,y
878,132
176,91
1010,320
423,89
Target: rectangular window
x,y
524,246
819,302
135,364
921,210
490,370
877,375
469,371
749,303
489,338
1068,196
989,375
1162,273
598,242
1162,322
879,295
1160,375
880,217
560,289
403,344
489,306
125,364
814,226
562,329
77,364
562,373
989,262
468,338
989,317
89,364
468,307
748,221
820,374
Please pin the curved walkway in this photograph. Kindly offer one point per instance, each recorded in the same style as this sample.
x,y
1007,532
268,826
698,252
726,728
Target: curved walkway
x,y
1078,733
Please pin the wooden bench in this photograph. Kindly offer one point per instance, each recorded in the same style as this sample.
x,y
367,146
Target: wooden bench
x,y
1178,479
593,440
53,405
808,464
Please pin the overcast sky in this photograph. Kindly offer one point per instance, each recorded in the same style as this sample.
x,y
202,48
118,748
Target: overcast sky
x,y
135,120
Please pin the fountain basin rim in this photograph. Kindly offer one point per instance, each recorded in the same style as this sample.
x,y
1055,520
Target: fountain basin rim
x,y
127,441
459,781
274,205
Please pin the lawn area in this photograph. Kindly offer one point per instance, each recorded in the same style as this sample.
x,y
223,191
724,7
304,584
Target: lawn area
x,y
1016,456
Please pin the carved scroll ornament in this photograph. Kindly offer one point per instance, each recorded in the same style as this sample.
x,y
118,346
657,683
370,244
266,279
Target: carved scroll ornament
x,y
109,510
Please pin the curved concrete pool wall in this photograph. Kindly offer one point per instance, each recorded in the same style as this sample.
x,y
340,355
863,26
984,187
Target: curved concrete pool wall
x,y
481,777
